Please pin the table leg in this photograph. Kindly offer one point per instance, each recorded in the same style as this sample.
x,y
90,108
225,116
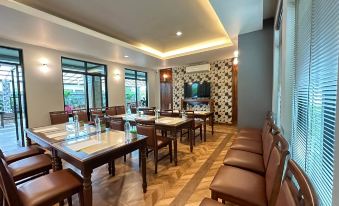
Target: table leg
x,y
87,187
190,138
204,129
175,147
212,123
56,161
28,141
143,168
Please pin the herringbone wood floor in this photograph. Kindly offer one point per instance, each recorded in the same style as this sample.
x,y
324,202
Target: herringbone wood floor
x,y
185,184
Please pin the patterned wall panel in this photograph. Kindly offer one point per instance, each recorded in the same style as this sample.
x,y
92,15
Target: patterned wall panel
x,y
220,78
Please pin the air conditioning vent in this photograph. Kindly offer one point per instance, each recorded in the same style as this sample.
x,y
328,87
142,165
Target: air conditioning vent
x,y
198,68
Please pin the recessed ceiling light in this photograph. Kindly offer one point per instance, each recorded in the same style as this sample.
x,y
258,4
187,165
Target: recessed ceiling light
x,y
126,56
179,33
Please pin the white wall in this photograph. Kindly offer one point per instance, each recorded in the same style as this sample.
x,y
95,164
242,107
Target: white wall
x,y
44,91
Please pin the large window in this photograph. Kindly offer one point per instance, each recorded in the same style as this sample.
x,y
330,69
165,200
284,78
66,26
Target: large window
x,y
136,93
311,48
84,84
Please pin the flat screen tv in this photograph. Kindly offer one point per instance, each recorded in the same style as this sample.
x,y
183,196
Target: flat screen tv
x,y
197,90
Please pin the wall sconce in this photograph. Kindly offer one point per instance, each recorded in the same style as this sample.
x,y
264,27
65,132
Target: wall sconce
x,y
44,68
165,76
235,61
117,75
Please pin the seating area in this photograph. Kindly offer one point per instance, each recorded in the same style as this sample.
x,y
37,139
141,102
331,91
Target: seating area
x,y
169,103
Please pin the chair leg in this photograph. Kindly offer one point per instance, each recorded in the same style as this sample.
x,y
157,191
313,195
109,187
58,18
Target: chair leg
x,y
201,133
155,161
124,158
109,167
81,197
214,196
193,137
61,203
170,151
69,201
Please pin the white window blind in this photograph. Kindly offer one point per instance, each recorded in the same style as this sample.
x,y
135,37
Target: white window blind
x,y
317,50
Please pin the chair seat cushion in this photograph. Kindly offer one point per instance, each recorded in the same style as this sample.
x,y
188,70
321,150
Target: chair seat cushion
x,y
48,189
245,160
163,141
248,145
22,152
30,166
239,186
210,202
249,136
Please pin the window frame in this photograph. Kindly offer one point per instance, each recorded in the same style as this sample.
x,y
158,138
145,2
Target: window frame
x,y
136,79
86,73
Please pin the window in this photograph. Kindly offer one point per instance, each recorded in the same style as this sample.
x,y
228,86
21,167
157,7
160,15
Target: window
x,y
311,46
136,93
84,84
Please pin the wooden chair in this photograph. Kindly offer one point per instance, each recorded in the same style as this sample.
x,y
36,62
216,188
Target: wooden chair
x,y
111,111
97,112
197,124
58,117
82,115
150,112
134,110
154,142
46,190
120,110
21,153
166,113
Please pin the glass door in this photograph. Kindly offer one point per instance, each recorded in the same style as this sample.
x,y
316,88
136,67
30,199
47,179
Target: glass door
x,y
12,106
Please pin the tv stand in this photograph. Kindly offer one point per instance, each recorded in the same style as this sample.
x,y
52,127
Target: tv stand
x,y
208,101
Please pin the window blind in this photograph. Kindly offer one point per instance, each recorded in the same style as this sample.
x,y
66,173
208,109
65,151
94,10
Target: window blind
x,y
315,92
322,96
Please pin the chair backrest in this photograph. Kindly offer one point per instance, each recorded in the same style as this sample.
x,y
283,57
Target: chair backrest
x,y
120,110
166,113
275,167
133,109
267,145
8,187
190,114
148,129
149,112
111,111
58,117
117,123
82,115
96,112
296,189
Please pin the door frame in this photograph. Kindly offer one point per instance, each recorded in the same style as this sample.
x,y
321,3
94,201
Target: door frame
x,y
21,63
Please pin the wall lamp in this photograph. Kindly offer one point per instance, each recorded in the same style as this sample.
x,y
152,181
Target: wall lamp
x,y
116,75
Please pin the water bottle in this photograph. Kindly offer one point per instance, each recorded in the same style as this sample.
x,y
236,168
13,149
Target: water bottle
x,y
97,124
156,114
76,124
127,129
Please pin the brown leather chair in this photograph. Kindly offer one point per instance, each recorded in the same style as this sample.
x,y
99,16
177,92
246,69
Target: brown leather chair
x,y
133,110
96,112
58,117
21,153
244,187
111,111
197,124
120,109
117,123
154,142
256,136
296,189
251,161
82,115
166,113
46,190
210,202
149,112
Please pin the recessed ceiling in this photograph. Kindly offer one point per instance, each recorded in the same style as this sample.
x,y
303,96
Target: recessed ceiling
x,y
150,25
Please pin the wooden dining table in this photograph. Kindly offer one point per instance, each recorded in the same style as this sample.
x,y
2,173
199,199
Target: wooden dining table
x,y
172,124
88,150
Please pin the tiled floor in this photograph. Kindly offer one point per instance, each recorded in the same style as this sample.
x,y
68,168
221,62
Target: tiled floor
x,y
185,184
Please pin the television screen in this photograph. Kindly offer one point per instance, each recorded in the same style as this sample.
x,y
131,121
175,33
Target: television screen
x,y
197,90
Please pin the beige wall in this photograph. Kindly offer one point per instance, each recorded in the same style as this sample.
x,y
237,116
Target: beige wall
x,y
44,91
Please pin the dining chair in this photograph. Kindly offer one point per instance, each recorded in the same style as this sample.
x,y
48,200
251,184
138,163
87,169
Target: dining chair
x,y
82,115
21,153
94,112
154,141
117,123
111,111
197,124
166,113
120,109
58,117
150,112
45,190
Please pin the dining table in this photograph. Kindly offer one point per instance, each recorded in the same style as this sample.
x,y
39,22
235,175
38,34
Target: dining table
x,y
166,124
87,149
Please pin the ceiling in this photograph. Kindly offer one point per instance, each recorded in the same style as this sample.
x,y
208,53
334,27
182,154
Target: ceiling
x,y
143,30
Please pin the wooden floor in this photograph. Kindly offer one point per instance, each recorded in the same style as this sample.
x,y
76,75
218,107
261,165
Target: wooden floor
x,y
185,184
